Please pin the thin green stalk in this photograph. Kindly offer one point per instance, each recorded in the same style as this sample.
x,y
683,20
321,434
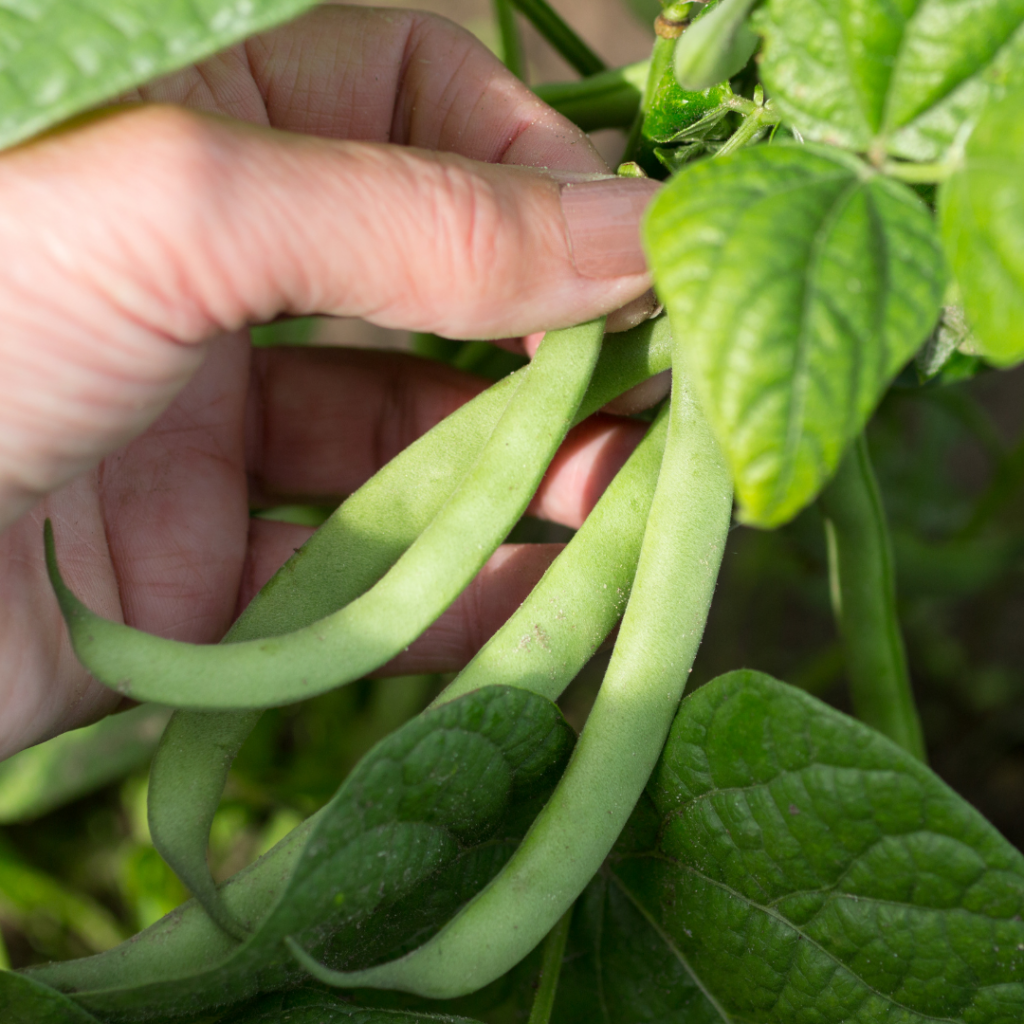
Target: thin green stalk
x,y
918,174
863,585
510,39
550,970
661,61
608,100
552,27
754,125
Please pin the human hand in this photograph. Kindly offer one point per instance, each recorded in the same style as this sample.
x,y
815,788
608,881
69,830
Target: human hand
x,y
138,245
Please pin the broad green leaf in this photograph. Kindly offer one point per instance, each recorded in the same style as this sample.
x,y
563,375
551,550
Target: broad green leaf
x,y
60,57
901,77
424,822
800,282
802,867
23,1001
982,216
42,778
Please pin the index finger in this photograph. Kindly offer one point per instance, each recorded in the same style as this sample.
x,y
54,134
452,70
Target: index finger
x,y
381,75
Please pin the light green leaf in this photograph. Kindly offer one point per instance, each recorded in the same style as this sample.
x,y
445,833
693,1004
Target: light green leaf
x,y
803,867
422,824
800,283
716,46
982,216
901,77
51,774
60,57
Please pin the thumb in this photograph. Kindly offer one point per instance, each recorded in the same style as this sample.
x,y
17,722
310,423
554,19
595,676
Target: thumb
x,y
225,223
145,231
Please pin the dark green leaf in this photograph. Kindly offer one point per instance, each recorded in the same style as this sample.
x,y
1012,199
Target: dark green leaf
x,y
424,821
619,969
25,1002
982,213
900,77
45,777
804,868
800,282
59,57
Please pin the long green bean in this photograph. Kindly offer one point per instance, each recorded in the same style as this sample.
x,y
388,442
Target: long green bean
x,y
620,744
343,559
374,628
864,598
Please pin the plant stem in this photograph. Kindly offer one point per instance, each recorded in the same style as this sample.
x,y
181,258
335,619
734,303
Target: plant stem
x,y
511,41
550,969
918,174
661,61
754,125
863,586
550,25
608,100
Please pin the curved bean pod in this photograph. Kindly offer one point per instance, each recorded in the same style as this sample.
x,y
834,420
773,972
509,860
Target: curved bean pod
x,y
344,558
580,598
619,746
372,629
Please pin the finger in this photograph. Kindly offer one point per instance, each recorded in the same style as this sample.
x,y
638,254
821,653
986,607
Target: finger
x,y
450,643
322,422
227,224
383,76
584,466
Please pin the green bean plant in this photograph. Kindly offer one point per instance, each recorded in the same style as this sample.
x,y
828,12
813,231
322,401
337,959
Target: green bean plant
x,y
844,205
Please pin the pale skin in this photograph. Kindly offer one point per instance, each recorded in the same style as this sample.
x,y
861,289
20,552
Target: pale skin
x,y
354,163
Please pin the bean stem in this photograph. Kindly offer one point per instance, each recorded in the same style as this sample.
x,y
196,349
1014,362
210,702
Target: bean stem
x,y
863,585
550,970
753,126
509,38
661,61
550,24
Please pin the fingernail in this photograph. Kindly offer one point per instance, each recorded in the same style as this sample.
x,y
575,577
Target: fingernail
x,y
603,218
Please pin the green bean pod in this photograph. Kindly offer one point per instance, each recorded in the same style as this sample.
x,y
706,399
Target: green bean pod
x,y
619,746
374,628
863,583
578,601
343,559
